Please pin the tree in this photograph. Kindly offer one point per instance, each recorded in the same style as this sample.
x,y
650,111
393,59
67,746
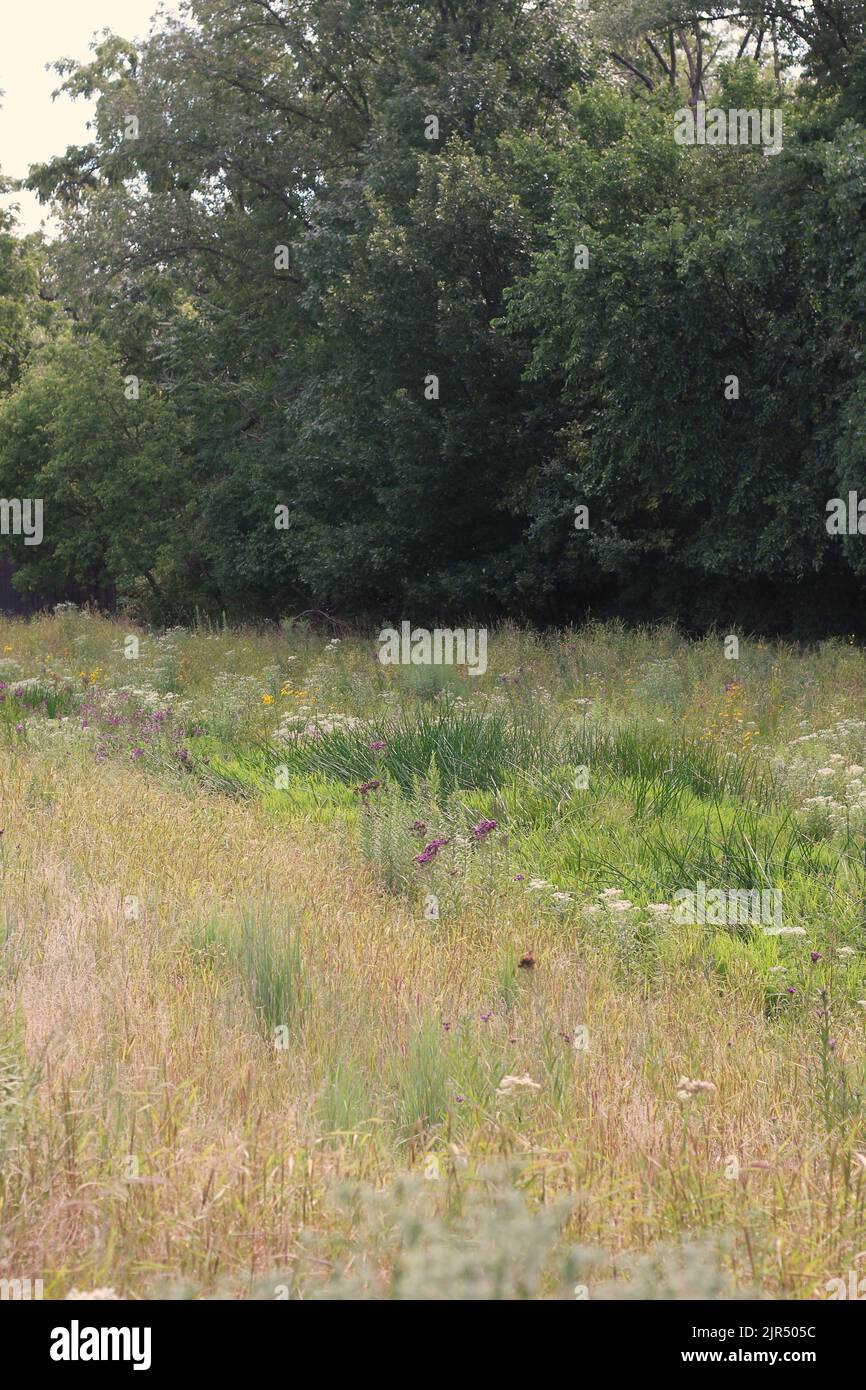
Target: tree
x,y
108,469
707,361
407,285
308,127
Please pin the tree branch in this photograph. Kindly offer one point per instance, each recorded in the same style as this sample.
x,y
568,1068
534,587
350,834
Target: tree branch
x,y
636,72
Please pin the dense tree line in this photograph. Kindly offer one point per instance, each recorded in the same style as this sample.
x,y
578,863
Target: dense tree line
x,y
357,301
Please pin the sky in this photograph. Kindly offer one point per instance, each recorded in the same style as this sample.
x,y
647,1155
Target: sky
x,y
32,126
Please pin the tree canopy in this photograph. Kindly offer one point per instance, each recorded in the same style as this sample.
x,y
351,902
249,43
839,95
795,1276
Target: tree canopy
x,y
356,304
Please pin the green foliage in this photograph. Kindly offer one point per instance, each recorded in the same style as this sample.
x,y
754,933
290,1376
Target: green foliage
x,y
306,384
265,954
468,748
494,1243
420,1081
109,470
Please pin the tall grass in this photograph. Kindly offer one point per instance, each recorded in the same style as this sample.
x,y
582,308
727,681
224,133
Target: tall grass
x,y
264,950
429,1126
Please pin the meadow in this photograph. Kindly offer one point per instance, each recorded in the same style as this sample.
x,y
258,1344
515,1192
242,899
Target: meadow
x,y
329,979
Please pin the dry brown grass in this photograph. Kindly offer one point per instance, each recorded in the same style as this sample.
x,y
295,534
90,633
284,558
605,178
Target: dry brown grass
x,y
135,1044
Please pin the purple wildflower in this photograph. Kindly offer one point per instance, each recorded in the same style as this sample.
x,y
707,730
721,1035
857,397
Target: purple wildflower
x,y
430,851
484,828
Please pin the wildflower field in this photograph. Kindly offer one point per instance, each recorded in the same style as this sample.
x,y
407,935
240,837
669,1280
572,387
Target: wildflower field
x,y
326,979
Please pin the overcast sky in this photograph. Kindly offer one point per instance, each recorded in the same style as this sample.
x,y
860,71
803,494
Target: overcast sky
x,y
36,32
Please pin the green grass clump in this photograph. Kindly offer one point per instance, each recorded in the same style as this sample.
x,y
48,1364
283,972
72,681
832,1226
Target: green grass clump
x,y
265,953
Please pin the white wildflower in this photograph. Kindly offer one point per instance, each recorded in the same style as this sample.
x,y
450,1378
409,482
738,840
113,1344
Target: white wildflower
x,y
686,1088
509,1084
